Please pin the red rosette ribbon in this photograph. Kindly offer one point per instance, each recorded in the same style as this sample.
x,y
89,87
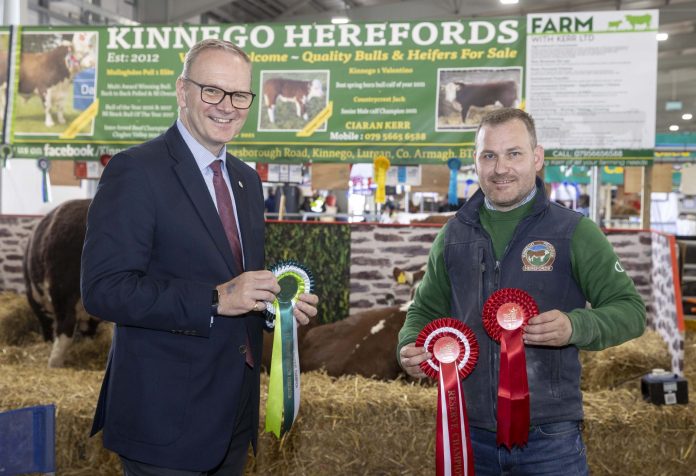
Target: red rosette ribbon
x,y
505,314
455,351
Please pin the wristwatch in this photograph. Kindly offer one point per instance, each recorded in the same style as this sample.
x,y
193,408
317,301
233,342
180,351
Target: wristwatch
x,y
215,302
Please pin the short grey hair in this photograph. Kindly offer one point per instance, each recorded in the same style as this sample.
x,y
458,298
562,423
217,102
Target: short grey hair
x,y
208,44
506,114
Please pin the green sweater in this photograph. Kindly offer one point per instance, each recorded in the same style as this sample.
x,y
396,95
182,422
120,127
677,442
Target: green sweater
x,y
617,312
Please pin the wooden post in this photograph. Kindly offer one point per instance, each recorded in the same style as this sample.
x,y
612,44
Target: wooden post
x,y
281,207
646,195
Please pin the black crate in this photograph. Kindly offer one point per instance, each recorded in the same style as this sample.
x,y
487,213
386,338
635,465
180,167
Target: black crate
x,y
664,389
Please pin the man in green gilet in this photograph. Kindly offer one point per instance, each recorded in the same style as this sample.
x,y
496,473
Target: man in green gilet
x,y
509,235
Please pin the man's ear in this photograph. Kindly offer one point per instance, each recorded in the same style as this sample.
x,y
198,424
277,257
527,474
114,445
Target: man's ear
x,y
538,158
180,93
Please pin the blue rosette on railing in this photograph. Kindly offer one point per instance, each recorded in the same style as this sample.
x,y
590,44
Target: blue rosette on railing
x,y
453,165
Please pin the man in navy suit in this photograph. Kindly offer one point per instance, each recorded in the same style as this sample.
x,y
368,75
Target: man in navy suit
x,y
181,389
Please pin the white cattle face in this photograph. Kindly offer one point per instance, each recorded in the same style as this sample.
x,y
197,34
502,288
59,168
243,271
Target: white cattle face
x,y
451,91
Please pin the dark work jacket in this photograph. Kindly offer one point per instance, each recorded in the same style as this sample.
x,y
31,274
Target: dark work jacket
x,y
474,273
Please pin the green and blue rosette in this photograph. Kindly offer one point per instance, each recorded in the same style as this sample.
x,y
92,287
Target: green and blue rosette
x,y
284,385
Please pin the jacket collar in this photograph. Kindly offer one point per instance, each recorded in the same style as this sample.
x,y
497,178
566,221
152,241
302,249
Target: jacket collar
x,y
469,212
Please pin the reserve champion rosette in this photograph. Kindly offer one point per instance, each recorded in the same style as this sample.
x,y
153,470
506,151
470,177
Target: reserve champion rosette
x,y
455,351
505,315
284,382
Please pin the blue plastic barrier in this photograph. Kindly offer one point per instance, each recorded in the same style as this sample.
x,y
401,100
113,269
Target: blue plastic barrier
x,y
27,441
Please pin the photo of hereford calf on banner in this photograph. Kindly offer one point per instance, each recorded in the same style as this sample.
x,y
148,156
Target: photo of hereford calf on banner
x,y
290,99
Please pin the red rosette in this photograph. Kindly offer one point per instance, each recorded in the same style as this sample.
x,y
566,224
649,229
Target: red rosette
x,y
456,342
455,352
505,314
507,309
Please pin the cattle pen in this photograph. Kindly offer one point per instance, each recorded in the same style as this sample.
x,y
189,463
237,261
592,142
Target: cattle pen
x,y
388,423
357,425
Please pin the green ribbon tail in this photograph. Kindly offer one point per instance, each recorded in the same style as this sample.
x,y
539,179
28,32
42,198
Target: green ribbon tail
x,y
274,404
288,347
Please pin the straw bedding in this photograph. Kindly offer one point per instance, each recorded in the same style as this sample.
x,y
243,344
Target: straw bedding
x,y
357,426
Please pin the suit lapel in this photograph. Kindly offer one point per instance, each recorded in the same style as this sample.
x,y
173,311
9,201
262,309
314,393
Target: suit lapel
x,y
193,184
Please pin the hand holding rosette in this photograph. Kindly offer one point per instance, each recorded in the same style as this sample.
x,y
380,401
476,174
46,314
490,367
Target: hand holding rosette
x,y
455,351
505,314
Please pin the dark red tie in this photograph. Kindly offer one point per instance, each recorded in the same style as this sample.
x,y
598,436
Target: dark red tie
x,y
226,212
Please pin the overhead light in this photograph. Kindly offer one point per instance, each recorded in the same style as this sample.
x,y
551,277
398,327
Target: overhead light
x,y
340,20
674,128
688,116
509,2
662,36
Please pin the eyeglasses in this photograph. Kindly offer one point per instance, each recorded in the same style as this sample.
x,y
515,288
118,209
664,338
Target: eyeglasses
x,y
214,95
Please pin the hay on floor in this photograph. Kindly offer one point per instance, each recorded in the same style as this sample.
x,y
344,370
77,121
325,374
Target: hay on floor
x,y
625,435
18,324
355,425
624,364
21,341
74,392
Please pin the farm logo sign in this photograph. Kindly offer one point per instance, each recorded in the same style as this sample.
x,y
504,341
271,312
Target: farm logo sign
x,y
582,90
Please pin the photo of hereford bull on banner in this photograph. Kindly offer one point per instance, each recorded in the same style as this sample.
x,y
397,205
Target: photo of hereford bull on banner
x,y
56,93
412,92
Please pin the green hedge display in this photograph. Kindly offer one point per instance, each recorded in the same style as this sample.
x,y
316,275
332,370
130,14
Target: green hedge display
x,y
325,249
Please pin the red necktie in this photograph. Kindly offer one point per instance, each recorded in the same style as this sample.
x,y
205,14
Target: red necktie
x,y
226,212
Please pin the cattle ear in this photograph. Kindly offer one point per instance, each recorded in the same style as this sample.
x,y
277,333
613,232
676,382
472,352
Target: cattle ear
x,y
399,276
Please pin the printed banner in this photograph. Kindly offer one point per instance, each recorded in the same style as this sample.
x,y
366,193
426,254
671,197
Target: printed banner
x,y
592,85
326,93
413,92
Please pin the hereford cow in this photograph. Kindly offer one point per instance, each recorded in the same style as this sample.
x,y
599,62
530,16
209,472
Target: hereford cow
x,y
362,344
290,90
52,276
465,95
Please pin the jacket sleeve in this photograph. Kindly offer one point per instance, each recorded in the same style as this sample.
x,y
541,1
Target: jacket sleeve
x,y
119,245
432,297
617,312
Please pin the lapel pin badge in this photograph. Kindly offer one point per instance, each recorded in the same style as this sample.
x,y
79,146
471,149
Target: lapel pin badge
x,y
241,184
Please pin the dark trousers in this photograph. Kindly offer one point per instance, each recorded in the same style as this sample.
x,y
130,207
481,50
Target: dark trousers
x,y
235,459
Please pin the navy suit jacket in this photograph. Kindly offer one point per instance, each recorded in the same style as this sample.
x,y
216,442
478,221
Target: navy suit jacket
x,y
155,248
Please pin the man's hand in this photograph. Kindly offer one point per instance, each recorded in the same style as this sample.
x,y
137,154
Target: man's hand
x,y
411,357
551,328
305,308
247,292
